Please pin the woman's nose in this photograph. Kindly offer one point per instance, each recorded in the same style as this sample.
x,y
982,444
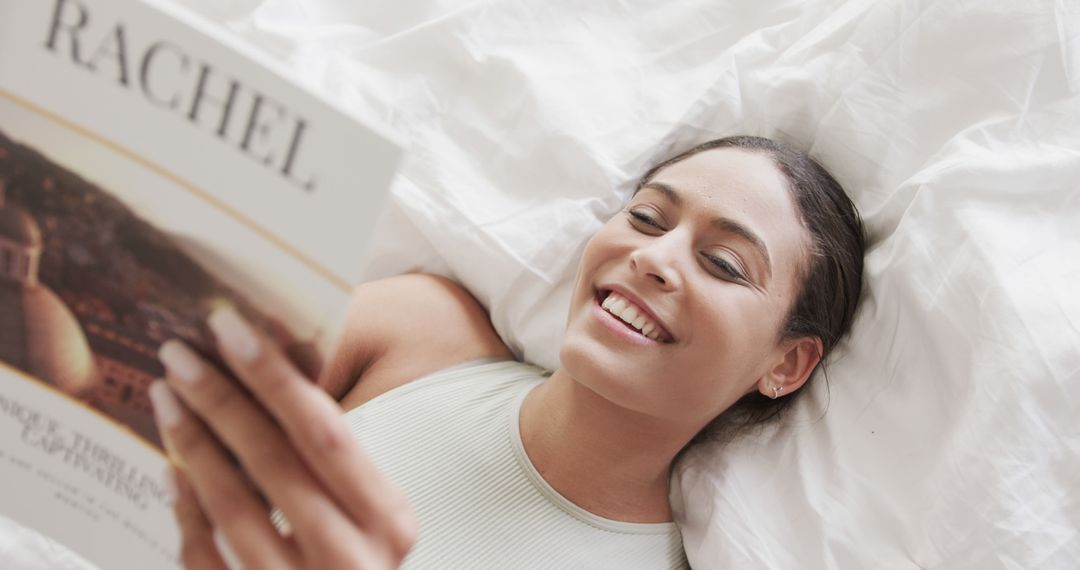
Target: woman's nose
x,y
657,262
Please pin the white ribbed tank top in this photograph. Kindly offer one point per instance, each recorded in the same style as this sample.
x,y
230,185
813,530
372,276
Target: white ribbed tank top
x,y
451,441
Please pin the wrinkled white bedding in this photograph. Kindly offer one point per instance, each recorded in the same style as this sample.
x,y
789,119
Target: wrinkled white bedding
x,y
951,436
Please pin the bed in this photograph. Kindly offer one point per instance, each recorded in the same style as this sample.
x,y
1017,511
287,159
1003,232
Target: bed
x,y
947,434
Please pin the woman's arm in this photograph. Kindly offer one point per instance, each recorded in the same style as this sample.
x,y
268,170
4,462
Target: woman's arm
x,y
401,328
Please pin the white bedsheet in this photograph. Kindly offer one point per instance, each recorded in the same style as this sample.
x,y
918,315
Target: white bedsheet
x,y
951,437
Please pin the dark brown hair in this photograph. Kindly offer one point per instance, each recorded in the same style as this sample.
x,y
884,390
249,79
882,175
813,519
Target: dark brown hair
x,y
832,275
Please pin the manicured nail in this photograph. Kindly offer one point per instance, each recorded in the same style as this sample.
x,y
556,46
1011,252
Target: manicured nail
x,y
180,361
166,406
234,334
226,551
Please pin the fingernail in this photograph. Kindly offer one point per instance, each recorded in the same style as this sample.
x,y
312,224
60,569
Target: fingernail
x,y
234,334
166,406
226,551
180,361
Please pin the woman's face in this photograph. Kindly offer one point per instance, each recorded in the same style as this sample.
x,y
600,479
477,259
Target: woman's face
x,y
711,250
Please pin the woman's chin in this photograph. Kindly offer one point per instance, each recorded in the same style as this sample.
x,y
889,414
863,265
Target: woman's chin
x,y
602,370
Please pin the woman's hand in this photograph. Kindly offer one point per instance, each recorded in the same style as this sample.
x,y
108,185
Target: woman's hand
x,y
293,448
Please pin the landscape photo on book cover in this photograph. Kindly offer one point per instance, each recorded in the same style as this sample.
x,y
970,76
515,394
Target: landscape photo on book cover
x,y
89,291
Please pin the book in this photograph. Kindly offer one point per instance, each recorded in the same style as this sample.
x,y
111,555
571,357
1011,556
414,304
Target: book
x,y
151,168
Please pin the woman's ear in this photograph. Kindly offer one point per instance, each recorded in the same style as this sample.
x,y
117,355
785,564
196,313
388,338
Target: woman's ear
x,y
797,360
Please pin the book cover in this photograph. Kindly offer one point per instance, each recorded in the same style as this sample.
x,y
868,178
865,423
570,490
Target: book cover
x,y
150,169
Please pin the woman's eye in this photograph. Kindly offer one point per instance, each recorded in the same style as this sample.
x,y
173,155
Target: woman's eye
x,y
645,219
725,267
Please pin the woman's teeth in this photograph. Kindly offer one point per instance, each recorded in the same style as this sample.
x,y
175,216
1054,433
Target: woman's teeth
x,y
626,311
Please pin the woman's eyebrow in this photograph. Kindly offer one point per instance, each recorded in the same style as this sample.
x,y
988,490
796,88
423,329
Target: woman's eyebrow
x,y
721,223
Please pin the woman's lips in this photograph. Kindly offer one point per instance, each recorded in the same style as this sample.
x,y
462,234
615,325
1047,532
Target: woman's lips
x,y
627,308
616,325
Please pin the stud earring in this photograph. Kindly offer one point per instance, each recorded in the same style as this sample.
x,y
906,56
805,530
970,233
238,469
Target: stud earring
x,y
776,391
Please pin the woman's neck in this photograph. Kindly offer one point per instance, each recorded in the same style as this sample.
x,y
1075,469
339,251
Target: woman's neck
x,y
608,460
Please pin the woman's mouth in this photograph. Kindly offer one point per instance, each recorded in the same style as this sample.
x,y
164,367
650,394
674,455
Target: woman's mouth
x,y
617,308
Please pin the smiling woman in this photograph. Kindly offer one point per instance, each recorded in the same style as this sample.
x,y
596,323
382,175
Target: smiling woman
x,y
704,305
829,271
749,254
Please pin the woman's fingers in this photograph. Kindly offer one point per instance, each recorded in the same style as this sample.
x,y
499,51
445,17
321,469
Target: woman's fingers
x,y
222,493
313,423
243,426
197,549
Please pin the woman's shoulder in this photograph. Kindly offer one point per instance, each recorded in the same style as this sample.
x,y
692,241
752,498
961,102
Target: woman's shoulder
x,y
405,327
